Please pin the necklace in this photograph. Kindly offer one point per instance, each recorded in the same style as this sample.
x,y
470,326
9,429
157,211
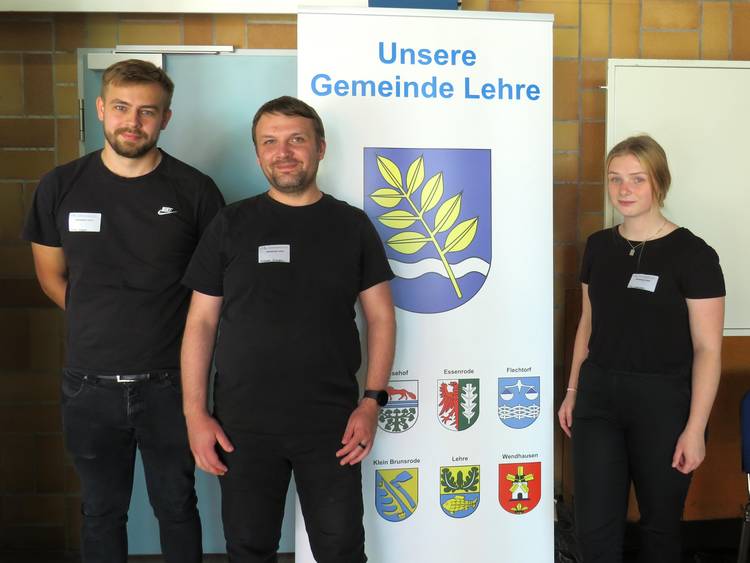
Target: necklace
x,y
633,247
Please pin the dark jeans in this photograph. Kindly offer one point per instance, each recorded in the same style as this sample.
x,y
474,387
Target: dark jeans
x,y
104,422
625,427
253,493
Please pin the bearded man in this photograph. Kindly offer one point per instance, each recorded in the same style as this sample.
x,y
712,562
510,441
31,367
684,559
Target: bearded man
x,y
111,234
281,273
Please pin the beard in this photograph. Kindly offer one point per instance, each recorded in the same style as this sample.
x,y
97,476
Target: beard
x,y
129,149
291,183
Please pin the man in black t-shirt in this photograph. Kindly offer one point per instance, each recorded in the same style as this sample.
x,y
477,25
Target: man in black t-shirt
x,y
281,272
111,234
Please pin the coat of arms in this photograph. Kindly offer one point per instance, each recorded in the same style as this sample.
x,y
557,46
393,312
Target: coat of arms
x,y
458,403
396,493
459,490
518,401
432,209
520,486
402,409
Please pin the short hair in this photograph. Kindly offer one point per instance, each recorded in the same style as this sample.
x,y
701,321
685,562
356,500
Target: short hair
x,y
651,156
290,106
136,71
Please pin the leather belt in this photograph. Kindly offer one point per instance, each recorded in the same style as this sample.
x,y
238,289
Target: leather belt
x,y
132,378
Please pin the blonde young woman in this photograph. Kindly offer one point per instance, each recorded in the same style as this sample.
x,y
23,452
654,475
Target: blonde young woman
x,y
646,363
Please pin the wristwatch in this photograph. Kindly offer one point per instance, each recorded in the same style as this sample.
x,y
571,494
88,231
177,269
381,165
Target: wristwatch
x,y
380,396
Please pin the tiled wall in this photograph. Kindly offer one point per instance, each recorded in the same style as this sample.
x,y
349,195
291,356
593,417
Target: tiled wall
x,y
38,130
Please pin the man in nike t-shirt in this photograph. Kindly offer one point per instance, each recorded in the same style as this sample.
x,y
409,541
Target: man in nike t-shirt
x,y
112,233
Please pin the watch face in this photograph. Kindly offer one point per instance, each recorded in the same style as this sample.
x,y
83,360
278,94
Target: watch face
x,y
381,397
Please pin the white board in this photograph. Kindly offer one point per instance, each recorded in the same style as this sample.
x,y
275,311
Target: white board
x,y
699,111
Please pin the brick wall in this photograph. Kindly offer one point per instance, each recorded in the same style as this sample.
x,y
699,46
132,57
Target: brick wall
x,y
38,130
39,503
586,34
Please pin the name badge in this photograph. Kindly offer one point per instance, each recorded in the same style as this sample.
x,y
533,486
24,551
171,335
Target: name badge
x,y
273,253
646,282
84,222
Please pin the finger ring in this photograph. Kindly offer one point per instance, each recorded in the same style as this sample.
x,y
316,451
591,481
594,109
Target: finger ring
x,y
363,446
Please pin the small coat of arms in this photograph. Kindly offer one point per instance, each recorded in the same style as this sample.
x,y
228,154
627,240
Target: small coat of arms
x,y
520,486
402,409
396,493
518,401
459,490
458,403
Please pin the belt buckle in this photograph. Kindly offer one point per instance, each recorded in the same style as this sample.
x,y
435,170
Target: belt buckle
x,y
125,379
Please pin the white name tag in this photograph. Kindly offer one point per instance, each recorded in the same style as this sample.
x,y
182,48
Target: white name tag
x,y
273,253
646,282
84,222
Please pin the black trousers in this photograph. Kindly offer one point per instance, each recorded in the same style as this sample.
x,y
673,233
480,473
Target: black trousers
x,y
103,423
253,493
625,428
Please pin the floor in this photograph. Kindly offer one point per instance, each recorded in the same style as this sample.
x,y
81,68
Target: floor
x,y
707,555
704,542
700,556
707,541
42,558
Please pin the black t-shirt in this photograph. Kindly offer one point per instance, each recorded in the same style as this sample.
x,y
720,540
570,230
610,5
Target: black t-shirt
x,y
636,329
288,347
127,242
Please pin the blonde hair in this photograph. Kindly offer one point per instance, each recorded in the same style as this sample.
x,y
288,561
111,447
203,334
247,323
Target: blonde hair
x,y
651,156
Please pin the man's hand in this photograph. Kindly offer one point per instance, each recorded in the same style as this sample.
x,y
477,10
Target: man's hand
x,y
359,434
204,432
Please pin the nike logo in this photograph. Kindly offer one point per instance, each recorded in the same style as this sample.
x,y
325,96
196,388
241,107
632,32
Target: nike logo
x,y
166,211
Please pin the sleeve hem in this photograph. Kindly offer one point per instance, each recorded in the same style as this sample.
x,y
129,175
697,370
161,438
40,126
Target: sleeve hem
x,y
707,295
375,281
35,240
212,291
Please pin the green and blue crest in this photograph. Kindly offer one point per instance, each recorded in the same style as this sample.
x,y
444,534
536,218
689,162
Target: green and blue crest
x,y
396,493
432,209
459,490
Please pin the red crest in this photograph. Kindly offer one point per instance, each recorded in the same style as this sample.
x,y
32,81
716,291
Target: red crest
x,y
520,486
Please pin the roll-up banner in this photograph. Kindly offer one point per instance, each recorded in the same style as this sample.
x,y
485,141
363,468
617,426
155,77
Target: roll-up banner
x,y
439,125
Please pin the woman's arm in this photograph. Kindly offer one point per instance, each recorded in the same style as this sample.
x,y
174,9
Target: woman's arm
x,y
706,318
580,353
